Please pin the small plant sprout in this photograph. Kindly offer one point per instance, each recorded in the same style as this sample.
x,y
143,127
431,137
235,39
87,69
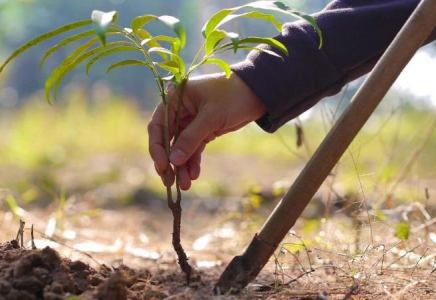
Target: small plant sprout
x,y
161,55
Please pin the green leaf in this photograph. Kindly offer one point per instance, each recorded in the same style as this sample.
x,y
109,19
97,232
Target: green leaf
x,y
71,62
44,37
214,39
217,36
162,38
170,21
176,57
130,62
220,63
218,19
154,42
402,231
67,41
70,59
101,21
256,15
170,66
143,34
176,25
229,46
79,51
141,21
268,41
108,52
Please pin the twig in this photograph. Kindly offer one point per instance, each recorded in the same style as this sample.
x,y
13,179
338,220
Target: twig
x,y
402,256
415,155
304,140
305,248
300,276
293,152
419,261
69,247
32,238
20,233
353,288
363,195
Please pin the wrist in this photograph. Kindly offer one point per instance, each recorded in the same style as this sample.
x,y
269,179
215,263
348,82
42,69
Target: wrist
x,y
247,96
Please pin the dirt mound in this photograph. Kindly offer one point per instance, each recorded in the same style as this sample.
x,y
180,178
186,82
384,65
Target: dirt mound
x,y
43,274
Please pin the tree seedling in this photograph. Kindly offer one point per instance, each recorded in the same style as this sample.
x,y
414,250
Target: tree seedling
x,y
161,55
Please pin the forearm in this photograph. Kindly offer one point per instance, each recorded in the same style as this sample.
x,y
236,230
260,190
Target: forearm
x,y
355,35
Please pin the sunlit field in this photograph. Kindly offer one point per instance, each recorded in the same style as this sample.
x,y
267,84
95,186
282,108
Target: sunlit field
x,y
83,212
80,169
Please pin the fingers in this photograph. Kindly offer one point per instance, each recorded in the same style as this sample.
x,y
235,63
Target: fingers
x,y
163,176
156,136
195,162
190,139
184,178
156,139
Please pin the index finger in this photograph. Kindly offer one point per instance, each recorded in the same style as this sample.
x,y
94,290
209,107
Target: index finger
x,y
156,133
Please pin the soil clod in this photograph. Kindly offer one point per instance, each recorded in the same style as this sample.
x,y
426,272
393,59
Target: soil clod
x,y
42,274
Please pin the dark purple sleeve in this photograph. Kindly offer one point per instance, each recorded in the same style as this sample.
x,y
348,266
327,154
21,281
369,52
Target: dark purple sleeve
x,y
356,32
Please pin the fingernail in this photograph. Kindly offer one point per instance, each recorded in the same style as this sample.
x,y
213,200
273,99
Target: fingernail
x,y
177,157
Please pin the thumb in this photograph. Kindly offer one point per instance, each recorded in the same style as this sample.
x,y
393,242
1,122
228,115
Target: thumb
x,y
190,139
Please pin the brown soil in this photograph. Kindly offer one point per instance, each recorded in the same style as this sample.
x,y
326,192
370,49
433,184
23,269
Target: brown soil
x,y
43,274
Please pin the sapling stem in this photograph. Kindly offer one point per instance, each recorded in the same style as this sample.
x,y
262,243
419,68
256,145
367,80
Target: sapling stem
x,y
175,206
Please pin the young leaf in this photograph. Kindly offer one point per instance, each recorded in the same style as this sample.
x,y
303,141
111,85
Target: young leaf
x,y
256,15
229,46
71,62
170,21
220,63
268,41
70,40
177,58
218,19
170,66
141,21
84,57
44,37
101,21
65,42
402,231
217,36
213,40
143,34
70,59
176,25
153,42
163,38
108,52
130,62
79,51
272,53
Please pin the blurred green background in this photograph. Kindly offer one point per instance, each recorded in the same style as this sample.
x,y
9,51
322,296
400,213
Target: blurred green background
x,y
93,140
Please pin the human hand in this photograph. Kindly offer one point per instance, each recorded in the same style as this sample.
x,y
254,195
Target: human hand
x,y
211,106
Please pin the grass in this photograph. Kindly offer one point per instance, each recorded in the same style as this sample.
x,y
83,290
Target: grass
x,y
40,139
